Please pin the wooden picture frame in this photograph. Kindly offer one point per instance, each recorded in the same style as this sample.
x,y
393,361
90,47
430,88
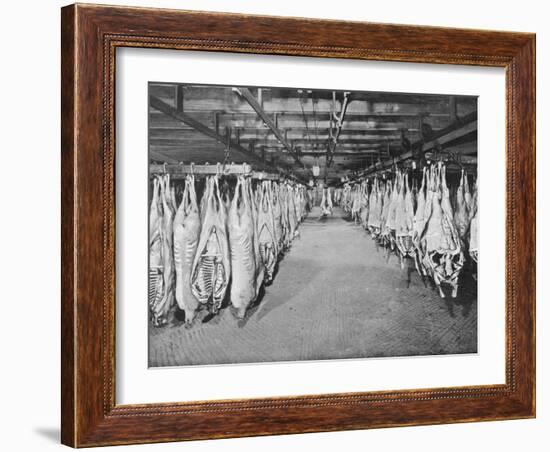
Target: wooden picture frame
x,y
90,36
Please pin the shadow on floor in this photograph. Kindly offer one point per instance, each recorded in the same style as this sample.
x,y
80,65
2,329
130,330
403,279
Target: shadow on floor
x,y
283,294
50,433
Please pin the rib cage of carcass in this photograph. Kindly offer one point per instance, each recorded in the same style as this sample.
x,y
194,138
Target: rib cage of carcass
x,y
440,243
211,268
224,245
266,231
161,263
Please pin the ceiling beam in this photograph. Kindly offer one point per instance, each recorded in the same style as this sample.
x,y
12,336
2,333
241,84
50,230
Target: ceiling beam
x,y
450,136
158,104
455,131
247,95
323,98
160,157
303,143
325,115
352,153
462,159
251,121
293,131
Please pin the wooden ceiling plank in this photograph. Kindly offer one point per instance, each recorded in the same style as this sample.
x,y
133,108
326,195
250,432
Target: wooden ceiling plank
x,y
247,95
161,157
294,105
183,117
452,133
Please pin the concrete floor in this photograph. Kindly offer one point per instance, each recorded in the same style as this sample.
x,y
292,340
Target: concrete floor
x,y
335,296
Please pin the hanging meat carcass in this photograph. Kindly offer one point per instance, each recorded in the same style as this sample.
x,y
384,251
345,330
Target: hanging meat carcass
x,y
156,281
474,227
326,204
294,200
305,195
385,234
162,306
364,193
468,198
283,201
375,209
443,257
187,227
462,214
336,199
310,199
356,205
474,246
256,198
350,211
388,233
297,205
169,195
301,204
322,206
346,202
266,232
173,202
292,218
420,212
329,200
204,198
260,269
404,222
211,266
419,222
277,217
241,243
225,192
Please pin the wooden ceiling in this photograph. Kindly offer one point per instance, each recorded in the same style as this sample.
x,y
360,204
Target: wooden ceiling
x,y
294,129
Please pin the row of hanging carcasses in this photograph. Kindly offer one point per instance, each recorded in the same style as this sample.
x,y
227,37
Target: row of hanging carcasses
x,y
437,230
229,243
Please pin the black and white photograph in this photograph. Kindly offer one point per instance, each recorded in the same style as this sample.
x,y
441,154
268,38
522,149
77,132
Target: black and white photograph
x,y
255,226
297,224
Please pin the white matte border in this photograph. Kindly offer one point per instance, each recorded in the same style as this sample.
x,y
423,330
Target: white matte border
x,y
135,383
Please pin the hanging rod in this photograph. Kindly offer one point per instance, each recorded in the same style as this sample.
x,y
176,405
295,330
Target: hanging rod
x,y
467,164
179,171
